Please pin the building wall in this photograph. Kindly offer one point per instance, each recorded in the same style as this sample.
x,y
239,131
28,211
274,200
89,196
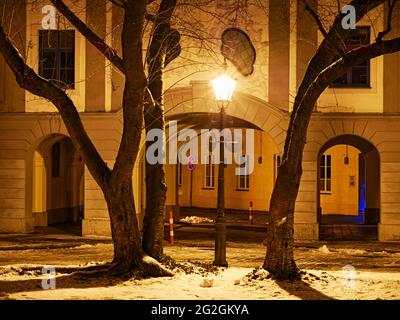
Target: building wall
x,y
33,25
12,98
391,71
285,40
20,137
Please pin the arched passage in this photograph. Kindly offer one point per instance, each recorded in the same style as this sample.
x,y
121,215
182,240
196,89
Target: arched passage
x,y
193,191
348,187
185,105
57,185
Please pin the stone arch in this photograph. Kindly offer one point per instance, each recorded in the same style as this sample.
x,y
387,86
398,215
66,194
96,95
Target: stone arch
x,y
322,129
365,168
198,97
50,198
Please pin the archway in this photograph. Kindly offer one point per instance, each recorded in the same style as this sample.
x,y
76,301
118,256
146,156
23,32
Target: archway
x,y
57,186
193,191
348,187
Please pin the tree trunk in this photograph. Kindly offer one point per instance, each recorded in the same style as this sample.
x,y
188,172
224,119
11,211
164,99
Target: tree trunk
x,y
156,192
279,258
280,234
128,252
156,188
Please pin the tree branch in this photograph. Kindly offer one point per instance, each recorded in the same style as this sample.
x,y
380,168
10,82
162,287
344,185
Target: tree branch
x,y
118,4
30,81
388,28
325,56
135,87
316,18
93,38
357,56
339,50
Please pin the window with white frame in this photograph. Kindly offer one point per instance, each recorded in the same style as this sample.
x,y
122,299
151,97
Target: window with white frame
x,y
209,170
326,173
243,181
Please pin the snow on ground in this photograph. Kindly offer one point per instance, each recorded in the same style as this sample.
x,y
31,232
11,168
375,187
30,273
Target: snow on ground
x,y
369,274
228,284
196,220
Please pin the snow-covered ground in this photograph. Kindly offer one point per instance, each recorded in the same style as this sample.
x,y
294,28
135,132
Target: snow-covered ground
x,y
196,220
231,283
332,272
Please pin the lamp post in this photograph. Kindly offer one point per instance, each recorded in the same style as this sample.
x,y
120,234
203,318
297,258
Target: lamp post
x,y
224,87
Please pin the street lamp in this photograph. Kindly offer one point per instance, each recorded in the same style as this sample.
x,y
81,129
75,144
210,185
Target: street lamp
x,y
224,87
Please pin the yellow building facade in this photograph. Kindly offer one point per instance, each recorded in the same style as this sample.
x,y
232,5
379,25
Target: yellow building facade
x,y
43,180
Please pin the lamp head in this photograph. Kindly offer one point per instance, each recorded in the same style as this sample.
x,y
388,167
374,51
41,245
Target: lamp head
x,y
223,87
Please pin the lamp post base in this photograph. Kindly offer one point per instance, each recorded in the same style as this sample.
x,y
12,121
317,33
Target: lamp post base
x,y
220,243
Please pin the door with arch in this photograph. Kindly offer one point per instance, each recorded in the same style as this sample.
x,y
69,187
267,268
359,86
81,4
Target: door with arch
x,y
57,186
348,189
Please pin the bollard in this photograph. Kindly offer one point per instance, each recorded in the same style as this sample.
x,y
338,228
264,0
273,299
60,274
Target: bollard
x,y
171,226
251,213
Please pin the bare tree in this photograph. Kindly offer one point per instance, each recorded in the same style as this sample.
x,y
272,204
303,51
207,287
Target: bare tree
x,y
331,60
164,47
116,184
142,98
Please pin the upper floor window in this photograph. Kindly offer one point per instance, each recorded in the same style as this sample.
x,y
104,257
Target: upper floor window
x,y
57,56
326,173
357,76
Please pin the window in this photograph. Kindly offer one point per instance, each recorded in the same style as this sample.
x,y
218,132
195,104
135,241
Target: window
x,y
209,175
57,56
55,160
277,164
243,182
326,173
358,76
209,172
179,174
